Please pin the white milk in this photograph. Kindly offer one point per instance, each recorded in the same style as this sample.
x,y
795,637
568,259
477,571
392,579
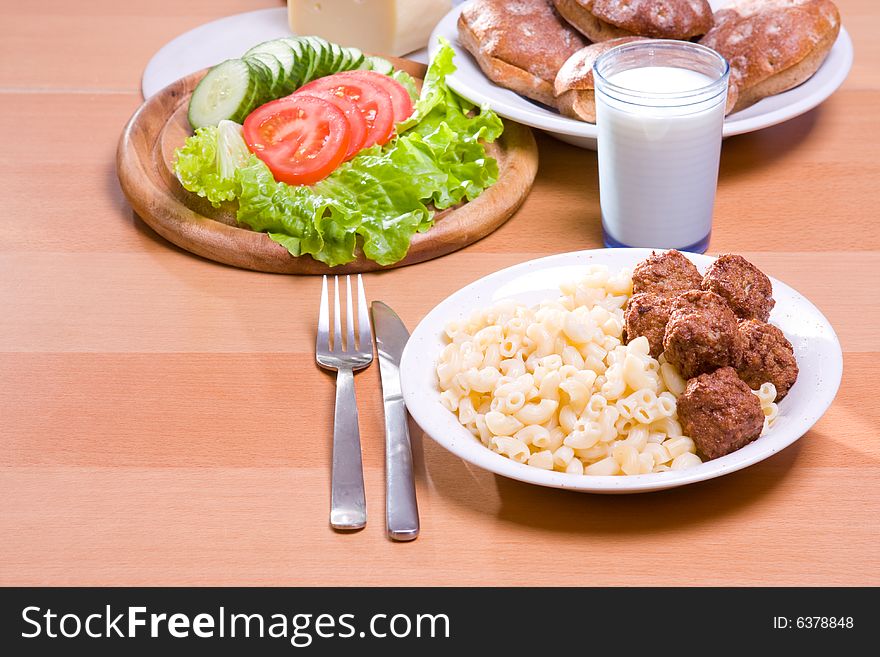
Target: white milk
x,y
658,157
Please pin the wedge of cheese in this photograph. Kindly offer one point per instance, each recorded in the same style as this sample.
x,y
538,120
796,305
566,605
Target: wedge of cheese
x,y
378,27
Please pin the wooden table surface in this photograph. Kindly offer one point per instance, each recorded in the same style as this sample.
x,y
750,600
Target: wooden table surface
x,y
162,420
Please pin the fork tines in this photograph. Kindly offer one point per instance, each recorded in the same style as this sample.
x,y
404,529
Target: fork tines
x,y
364,338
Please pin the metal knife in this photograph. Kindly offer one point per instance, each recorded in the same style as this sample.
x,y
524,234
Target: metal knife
x,y
401,508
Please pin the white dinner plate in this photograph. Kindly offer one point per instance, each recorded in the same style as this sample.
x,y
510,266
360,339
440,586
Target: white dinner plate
x,y
470,82
815,346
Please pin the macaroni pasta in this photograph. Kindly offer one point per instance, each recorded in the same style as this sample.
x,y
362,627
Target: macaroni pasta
x,y
555,387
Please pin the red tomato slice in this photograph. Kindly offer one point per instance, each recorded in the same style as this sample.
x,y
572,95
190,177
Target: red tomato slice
x,y
400,100
373,102
356,121
301,139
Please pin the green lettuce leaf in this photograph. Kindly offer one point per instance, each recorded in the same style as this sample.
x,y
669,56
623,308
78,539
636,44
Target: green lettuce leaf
x,y
379,199
207,162
407,82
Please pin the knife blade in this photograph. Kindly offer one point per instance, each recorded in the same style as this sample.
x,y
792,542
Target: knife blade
x,y
401,507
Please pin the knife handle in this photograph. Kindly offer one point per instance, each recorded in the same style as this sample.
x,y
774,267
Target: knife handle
x,y
401,508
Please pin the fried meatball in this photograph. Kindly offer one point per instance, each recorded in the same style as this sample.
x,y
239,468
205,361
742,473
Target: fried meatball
x,y
701,334
666,273
720,413
745,287
699,301
646,314
766,356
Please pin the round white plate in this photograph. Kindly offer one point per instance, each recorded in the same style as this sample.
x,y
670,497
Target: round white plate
x,y
219,40
470,82
815,345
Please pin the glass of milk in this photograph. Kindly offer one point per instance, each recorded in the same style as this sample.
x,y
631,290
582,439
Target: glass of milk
x,y
659,114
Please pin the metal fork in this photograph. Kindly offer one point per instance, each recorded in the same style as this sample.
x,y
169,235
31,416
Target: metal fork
x,y
348,506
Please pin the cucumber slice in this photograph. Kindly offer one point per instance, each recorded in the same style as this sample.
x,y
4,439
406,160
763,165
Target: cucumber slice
x,y
321,53
301,62
264,80
380,65
355,58
344,61
224,93
281,50
310,59
336,55
276,47
273,66
327,58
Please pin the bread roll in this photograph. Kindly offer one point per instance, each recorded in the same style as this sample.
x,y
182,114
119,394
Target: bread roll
x,y
519,45
772,45
575,92
602,20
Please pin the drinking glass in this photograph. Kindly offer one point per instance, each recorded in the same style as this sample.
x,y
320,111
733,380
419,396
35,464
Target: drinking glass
x,y
659,116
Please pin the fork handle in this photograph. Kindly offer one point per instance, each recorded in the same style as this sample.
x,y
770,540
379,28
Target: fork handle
x,y
348,506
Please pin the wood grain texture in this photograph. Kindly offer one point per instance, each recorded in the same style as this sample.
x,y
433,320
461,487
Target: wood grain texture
x,y
145,166
162,420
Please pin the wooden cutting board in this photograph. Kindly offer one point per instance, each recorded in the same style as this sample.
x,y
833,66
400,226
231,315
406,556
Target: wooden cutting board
x,y
144,165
